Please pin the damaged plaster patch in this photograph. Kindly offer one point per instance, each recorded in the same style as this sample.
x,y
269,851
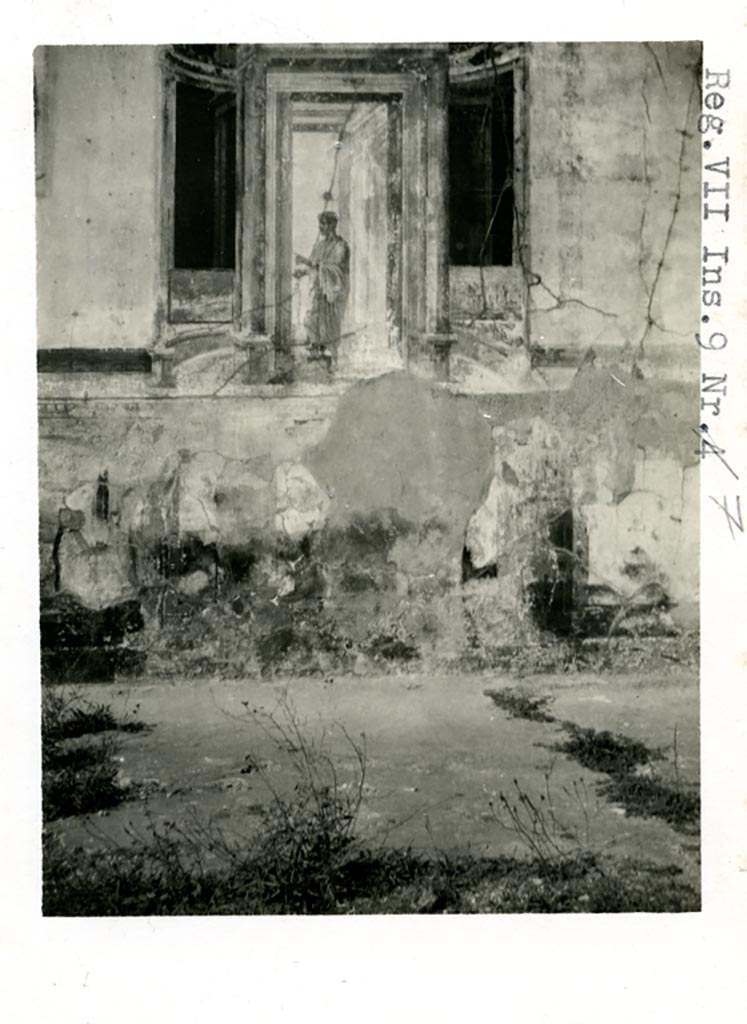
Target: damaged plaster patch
x,y
83,499
244,503
97,576
662,475
637,543
606,474
514,375
215,498
482,530
198,478
301,505
221,498
441,524
398,443
90,553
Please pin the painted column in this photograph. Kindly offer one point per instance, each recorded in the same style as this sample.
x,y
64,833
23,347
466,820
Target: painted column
x,y
283,233
437,296
437,339
252,235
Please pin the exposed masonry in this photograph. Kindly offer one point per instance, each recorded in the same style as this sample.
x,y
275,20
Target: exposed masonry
x,y
421,526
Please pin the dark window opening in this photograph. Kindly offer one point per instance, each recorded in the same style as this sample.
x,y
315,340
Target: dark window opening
x,y
204,179
481,197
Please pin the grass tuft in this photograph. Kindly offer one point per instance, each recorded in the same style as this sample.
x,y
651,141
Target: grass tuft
x,y
603,751
521,705
641,793
621,758
651,797
79,774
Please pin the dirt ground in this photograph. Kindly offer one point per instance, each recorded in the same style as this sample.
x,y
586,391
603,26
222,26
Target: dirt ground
x,y
437,752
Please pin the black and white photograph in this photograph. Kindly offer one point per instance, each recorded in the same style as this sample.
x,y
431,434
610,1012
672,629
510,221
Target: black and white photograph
x,y
369,476
374,565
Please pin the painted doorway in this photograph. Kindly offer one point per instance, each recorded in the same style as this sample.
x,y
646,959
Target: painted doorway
x,y
341,153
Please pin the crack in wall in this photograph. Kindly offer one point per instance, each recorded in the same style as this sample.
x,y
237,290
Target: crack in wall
x,y
533,279
660,77
643,255
561,302
655,56
651,290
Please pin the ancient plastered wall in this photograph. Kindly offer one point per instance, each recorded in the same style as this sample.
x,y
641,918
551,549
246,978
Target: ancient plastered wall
x,y
611,458
350,515
98,233
136,440
394,478
612,182
614,185
609,165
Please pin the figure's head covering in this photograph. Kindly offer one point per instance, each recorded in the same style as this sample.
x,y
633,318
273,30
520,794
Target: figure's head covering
x,y
328,217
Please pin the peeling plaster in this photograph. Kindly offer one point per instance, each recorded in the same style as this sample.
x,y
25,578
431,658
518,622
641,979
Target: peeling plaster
x,y
301,504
